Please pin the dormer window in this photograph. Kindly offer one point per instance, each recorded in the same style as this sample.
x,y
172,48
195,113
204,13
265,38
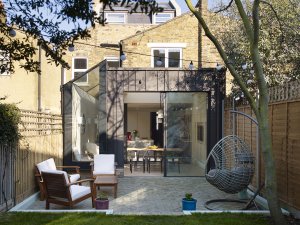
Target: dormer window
x,y
118,18
160,18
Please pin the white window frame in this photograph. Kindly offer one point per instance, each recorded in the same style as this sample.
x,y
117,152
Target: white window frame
x,y
80,70
166,56
113,58
155,15
5,57
115,13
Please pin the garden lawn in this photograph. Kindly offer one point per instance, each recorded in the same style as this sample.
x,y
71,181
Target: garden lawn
x,y
97,219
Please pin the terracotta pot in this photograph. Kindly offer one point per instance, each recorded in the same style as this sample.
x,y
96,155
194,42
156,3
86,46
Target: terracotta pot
x,y
101,203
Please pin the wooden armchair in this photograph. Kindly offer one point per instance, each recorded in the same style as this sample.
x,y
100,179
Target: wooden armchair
x,y
59,190
49,164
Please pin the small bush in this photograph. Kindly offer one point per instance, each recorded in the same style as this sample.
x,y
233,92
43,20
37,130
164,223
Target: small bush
x,y
10,117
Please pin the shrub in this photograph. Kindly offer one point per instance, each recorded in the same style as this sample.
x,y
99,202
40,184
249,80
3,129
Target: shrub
x,y
10,117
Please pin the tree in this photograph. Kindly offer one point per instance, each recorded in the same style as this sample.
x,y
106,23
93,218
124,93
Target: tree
x,y
55,25
279,41
251,24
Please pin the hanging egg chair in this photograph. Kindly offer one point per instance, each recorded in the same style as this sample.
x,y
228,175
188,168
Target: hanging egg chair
x,y
230,165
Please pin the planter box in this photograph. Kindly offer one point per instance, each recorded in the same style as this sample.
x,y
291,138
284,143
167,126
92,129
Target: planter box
x,y
189,204
101,204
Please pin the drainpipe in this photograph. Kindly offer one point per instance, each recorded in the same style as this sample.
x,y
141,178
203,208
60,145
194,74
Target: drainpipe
x,y
40,80
200,37
62,82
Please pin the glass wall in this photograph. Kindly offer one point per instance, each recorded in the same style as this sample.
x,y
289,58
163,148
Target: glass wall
x,y
85,116
186,132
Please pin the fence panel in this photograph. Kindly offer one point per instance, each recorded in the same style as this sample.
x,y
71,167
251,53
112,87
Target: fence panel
x,y
6,180
284,117
41,139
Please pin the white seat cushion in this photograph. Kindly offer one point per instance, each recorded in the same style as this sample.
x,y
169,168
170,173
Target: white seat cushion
x,y
74,177
92,148
46,165
104,164
42,166
109,172
51,164
79,191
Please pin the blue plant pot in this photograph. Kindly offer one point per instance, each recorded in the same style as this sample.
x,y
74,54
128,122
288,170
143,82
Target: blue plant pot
x,y
189,204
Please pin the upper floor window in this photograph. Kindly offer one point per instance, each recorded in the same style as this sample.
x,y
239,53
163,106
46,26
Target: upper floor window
x,y
166,57
79,67
113,61
4,64
115,17
162,17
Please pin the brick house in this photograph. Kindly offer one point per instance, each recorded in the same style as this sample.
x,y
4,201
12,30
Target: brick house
x,y
30,90
107,103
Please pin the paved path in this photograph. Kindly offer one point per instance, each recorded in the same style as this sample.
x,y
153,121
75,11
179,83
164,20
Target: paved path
x,y
152,195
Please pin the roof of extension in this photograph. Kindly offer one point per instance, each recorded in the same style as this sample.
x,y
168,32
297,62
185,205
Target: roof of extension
x,y
150,29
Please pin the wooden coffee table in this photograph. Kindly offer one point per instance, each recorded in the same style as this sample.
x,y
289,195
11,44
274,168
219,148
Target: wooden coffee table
x,y
105,181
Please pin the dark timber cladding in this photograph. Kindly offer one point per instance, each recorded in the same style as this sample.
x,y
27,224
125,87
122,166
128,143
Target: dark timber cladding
x,y
146,80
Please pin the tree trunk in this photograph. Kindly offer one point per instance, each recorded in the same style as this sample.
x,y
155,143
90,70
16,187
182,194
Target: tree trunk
x,y
270,167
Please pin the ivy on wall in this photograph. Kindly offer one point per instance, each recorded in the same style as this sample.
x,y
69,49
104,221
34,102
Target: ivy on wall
x,y
10,117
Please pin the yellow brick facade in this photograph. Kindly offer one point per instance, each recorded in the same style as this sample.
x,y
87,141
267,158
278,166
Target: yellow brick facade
x,y
108,34
21,87
182,29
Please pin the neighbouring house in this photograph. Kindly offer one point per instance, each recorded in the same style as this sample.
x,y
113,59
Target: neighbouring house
x,y
104,43
31,90
169,105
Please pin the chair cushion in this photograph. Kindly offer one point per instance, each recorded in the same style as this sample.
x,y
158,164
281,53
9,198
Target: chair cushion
x,y
46,165
74,177
104,164
42,166
92,148
104,172
79,191
51,164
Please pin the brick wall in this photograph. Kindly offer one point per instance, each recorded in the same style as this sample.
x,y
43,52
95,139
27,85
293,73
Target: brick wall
x,y
109,34
183,29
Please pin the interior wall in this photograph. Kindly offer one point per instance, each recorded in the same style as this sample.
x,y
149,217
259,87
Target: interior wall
x,y
139,119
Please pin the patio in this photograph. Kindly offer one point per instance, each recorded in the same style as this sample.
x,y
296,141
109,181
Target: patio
x,y
151,195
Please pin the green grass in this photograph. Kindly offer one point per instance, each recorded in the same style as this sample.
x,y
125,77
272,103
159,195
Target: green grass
x,y
99,219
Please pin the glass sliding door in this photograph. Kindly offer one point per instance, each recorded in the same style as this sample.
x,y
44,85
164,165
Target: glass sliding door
x,y
185,133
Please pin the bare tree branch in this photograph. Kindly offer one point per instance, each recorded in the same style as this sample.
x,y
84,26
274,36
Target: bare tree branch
x,y
223,55
225,8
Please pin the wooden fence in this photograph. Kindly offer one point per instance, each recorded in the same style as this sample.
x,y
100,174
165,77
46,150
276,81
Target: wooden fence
x,y
284,117
41,139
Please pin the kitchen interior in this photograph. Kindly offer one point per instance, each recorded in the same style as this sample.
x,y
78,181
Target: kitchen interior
x,y
185,132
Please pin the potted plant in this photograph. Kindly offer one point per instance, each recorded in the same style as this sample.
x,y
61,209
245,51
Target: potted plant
x,y
189,203
101,202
